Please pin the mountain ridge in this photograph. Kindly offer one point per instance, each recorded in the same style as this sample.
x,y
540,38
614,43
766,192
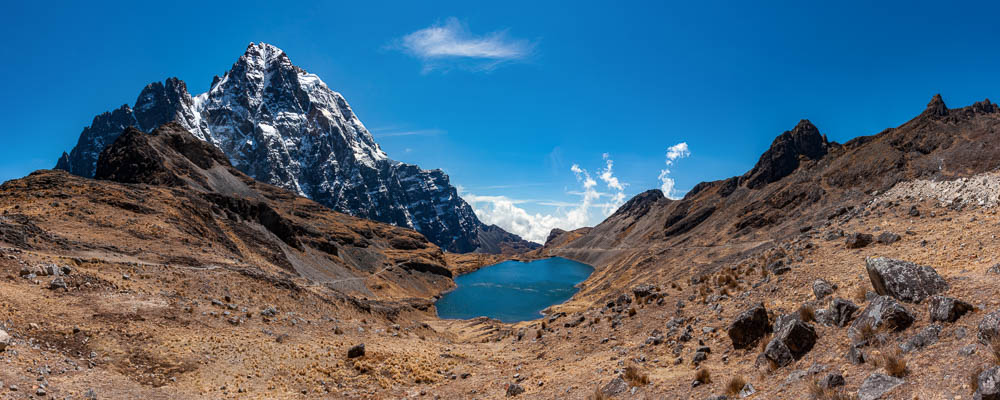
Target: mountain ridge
x,y
284,126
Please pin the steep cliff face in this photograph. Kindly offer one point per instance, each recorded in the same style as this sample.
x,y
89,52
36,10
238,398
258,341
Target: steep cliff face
x,y
282,125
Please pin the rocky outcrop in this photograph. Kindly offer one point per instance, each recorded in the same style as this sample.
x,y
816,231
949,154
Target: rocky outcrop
x,y
903,280
785,154
858,240
749,326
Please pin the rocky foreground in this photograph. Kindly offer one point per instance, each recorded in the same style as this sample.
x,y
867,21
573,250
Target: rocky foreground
x,y
825,272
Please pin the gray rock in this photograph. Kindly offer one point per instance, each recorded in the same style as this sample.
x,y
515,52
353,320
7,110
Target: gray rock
x,y
840,312
823,288
914,212
858,240
747,391
514,389
5,340
995,269
968,350
855,355
644,290
57,283
356,351
989,385
904,280
887,238
876,385
792,340
948,309
883,312
718,397
832,380
925,338
616,386
699,356
989,327
749,326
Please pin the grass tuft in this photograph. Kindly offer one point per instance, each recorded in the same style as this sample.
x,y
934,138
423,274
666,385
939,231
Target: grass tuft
x,y
703,376
734,385
635,377
894,363
807,313
598,395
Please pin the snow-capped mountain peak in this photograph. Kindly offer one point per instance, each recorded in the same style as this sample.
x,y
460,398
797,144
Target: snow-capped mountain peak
x,y
284,126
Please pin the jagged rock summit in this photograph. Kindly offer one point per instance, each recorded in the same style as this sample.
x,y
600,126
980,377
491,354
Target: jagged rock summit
x,y
282,125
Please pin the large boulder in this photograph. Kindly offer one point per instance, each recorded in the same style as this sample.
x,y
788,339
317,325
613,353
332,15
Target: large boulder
x,y
876,385
989,385
881,313
948,309
792,340
749,326
904,280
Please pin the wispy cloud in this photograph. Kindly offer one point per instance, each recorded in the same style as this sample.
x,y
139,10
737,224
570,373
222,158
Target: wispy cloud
x,y
674,153
452,44
506,213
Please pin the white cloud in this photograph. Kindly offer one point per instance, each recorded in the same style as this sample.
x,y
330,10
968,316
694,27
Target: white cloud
x,y
506,213
674,153
452,44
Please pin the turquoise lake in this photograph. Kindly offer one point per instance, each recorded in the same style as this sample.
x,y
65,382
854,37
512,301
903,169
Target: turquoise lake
x,y
513,291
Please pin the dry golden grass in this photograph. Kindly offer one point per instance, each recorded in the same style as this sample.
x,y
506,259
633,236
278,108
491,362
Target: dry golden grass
x,y
635,377
860,294
703,376
995,348
817,392
807,313
974,379
894,363
734,385
597,395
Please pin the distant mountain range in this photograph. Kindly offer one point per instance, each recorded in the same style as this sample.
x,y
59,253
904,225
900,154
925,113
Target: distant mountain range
x,y
282,125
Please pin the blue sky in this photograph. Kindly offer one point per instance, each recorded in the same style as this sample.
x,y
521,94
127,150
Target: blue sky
x,y
508,96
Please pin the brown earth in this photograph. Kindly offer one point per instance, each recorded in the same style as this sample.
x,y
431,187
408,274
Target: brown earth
x,y
155,269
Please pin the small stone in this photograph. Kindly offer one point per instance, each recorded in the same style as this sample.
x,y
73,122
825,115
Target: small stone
x,y
57,283
876,385
616,386
832,380
747,391
5,340
888,238
514,389
356,351
858,240
989,385
823,288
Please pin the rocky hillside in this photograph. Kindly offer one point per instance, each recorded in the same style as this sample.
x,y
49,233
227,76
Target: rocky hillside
x,y
282,125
